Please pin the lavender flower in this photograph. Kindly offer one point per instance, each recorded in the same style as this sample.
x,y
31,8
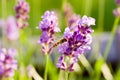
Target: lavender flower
x,y
48,26
77,42
7,62
12,31
22,9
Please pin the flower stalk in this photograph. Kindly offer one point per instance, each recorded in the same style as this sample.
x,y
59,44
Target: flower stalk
x,y
66,75
46,67
115,25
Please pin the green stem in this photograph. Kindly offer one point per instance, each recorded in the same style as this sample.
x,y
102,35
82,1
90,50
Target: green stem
x,y
115,25
46,67
66,75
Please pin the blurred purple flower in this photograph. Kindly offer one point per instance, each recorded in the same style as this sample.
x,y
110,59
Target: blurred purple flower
x,y
48,26
117,2
7,63
77,42
73,20
22,9
12,31
116,12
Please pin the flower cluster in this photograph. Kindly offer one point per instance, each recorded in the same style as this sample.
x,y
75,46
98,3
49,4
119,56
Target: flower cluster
x,y
22,9
48,26
78,38
7,62
12,31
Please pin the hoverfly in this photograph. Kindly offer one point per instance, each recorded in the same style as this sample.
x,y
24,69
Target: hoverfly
x,y
59,42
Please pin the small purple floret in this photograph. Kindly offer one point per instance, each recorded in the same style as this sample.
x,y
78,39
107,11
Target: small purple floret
x,y
7,62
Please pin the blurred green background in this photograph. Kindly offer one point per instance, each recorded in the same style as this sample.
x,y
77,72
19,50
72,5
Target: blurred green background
x,y
101,10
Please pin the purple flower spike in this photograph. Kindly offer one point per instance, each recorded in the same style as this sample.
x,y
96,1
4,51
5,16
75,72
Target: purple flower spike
x,y
48,26
7,63
22,9
77,42
12,31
